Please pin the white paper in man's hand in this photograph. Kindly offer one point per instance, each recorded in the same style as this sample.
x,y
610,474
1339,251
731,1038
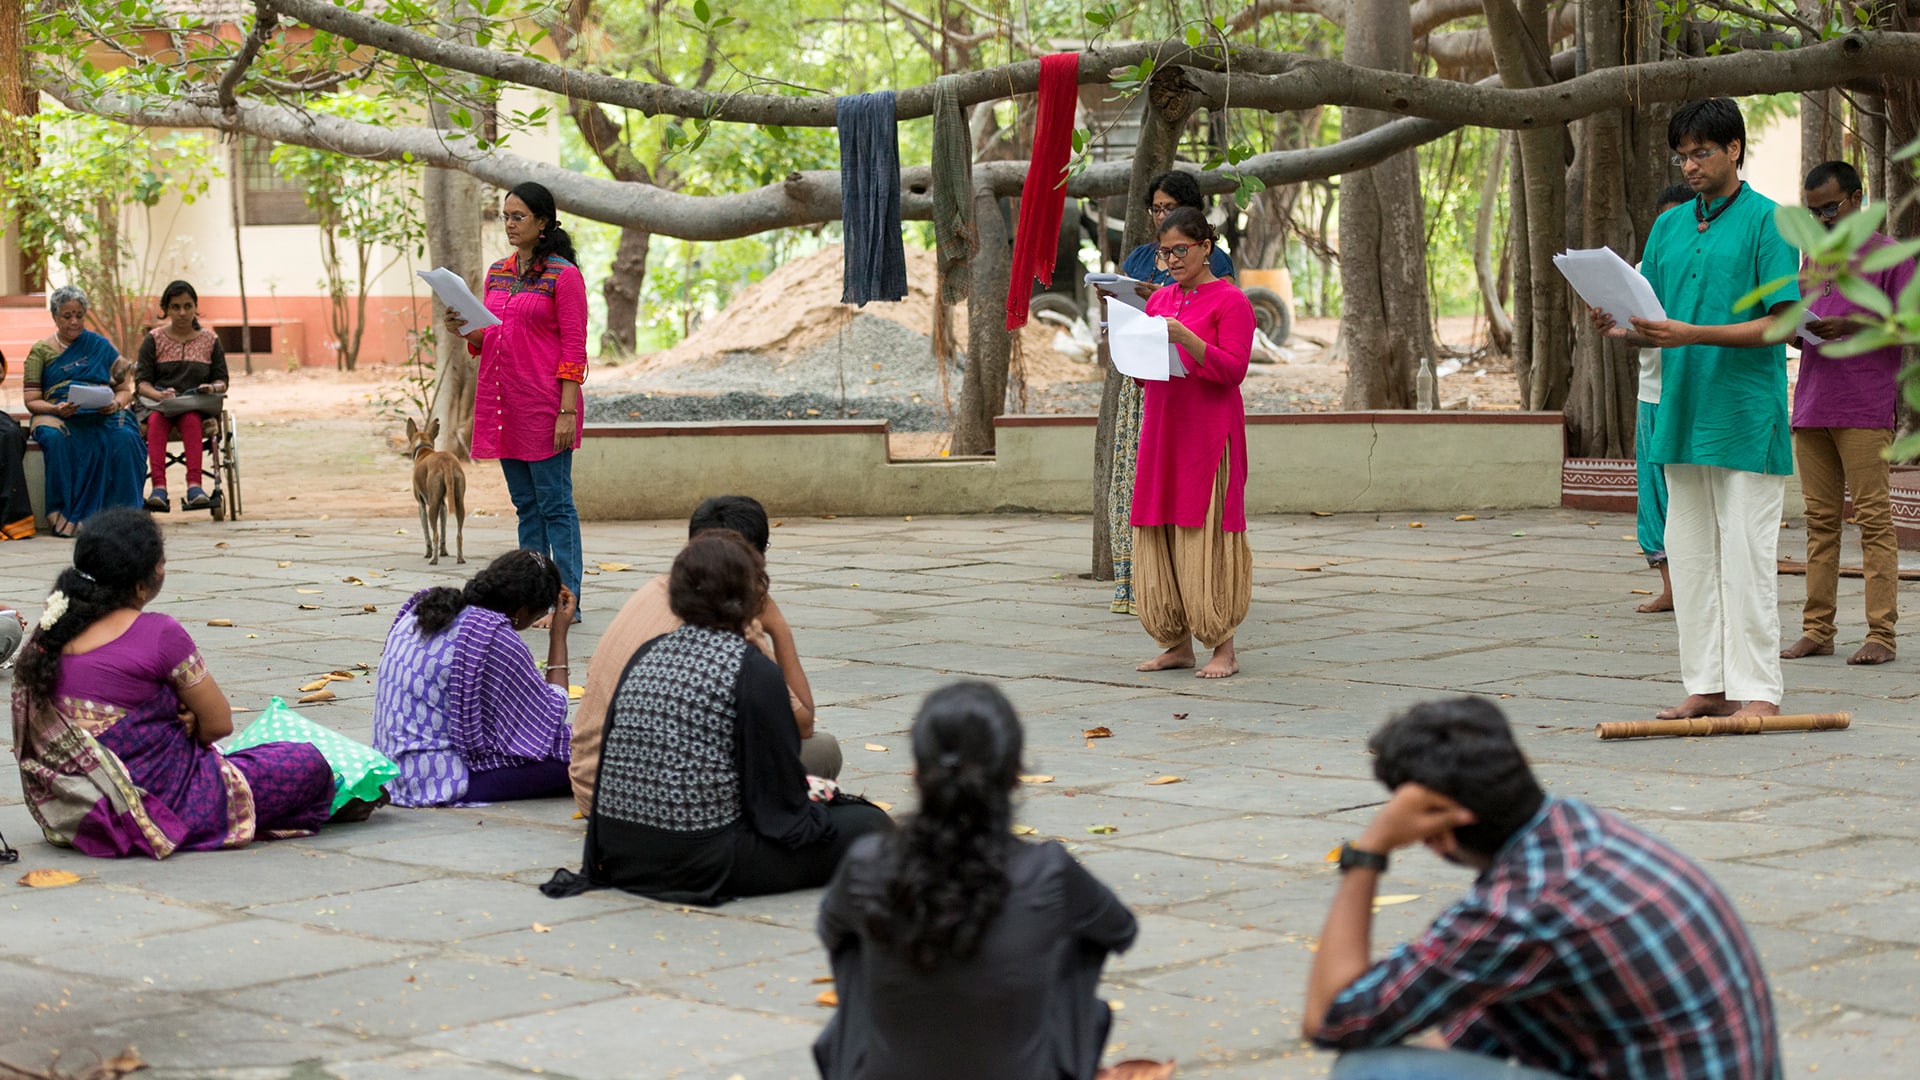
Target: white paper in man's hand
x,y
1604,281
1804,331
1139,346
452,290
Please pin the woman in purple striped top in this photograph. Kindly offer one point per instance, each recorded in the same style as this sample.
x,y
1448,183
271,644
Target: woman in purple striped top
x,y
460,705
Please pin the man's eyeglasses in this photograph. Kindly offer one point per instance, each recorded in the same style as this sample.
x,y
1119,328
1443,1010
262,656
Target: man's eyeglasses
x,y
1176,251
1700,156
514,219
1828,212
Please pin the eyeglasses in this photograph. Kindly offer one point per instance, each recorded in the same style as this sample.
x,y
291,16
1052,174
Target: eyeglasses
x,y
1829,211
514,219
1700,156
1177,251
1161,211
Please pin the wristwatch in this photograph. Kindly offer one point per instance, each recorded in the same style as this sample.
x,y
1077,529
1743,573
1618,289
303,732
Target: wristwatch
x,y
1352,858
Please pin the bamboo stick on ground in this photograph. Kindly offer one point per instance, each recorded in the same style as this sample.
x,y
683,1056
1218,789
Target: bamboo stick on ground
x,y
1723,725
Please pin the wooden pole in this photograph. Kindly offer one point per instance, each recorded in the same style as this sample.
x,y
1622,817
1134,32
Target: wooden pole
x,y
1723,725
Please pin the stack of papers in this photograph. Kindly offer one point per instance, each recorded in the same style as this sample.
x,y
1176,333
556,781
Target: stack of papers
x,y
1605,281
452,290
1121,288
93,396
1139,346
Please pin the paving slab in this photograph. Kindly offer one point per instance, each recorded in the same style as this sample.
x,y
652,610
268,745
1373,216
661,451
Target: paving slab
x,y
417,944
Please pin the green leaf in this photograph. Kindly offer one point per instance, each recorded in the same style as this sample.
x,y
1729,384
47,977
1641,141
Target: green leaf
x,y
722,21
1761,293
1195,36
461,117
1098,18
1907,151
1866,295
701,11
779,133
1889,256
1220,23
1865,341
1784,325
1798,227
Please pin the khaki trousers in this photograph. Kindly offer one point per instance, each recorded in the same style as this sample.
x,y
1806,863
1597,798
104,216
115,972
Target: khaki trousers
x,y
1834,461
1193,582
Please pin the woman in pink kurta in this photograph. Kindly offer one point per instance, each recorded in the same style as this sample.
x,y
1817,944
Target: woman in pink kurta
x,y
526,408
1193,572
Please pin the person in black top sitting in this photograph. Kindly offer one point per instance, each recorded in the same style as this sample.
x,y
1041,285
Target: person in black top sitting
x,y
179,358
700,795
957,948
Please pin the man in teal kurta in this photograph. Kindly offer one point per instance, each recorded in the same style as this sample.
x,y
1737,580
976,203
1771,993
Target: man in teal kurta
x,y
1723,436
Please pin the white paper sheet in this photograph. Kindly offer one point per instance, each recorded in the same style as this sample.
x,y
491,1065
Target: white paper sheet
x,y
1605,281
1139,347
1121,288
90,395
1802,331
452,290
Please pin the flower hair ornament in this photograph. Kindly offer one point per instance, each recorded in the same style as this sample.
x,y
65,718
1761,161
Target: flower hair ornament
x,y
56,607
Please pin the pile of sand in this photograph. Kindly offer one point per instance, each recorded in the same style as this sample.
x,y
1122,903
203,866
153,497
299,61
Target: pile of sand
x,y
797,308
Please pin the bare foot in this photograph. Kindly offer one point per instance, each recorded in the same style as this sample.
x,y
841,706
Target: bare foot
x,y
1806,646
1224,663
1699,705
1663,602
1871,653
1757,708
1180,656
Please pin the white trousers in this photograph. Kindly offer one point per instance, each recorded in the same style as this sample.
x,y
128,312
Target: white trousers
x,y
1723,544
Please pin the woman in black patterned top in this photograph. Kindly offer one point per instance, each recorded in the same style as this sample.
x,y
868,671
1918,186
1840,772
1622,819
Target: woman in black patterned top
x,y
177,358
701,796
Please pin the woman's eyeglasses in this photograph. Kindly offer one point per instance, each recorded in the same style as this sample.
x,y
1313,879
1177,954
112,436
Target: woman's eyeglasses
x,y
1172,252
1161,211
514,219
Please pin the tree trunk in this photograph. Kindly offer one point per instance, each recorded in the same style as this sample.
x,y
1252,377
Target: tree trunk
x,y
1602,399
453,202
983,389
1499,323
1152,155
1520,274
1385,324
622,292
1546,352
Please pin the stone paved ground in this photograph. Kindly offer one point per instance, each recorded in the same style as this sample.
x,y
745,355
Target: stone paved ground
x,y
416,943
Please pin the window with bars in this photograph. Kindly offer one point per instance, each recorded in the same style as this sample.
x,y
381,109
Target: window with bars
x,y
266,197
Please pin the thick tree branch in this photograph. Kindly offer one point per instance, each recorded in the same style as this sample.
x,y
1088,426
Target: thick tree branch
x,y
264,24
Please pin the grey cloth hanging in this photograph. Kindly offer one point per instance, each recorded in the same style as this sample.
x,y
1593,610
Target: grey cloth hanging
x,y
954,236
876,254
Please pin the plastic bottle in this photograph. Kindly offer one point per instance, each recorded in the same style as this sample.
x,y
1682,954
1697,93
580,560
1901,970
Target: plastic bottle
x,y
1426,386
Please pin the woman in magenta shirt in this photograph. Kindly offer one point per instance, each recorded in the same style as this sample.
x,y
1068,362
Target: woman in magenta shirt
x,y
1192,570
526,409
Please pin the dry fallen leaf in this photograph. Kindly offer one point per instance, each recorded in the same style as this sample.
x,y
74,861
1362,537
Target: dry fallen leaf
x,y
1306,569
316,697
1643,592
1137,1069
351,580
827,998
1321,513
342,676
221,544
542,928
368,608
309,607
614,567
48,879
1333,856
821,980
1179,716
1398,898
1416,524
219,622
578,816
1097,733
1024,830
1036,778
1465,517
575,693
284,563
317,684
875,747
1102,830
309,592
881,804
1158,780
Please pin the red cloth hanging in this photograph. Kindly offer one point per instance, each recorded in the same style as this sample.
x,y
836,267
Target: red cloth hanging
x,y
1036,239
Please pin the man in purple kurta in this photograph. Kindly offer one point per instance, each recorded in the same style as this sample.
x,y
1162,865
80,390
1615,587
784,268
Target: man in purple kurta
x,y
1843,420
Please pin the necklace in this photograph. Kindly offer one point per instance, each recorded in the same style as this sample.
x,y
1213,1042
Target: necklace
x,y
1700,208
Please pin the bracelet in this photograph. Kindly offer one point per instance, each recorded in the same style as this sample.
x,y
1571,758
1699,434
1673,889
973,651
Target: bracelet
x,y
557,667
568,412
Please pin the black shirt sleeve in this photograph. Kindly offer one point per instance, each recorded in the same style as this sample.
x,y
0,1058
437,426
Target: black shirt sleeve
x,y
766,754
217,363
147,364
1097,916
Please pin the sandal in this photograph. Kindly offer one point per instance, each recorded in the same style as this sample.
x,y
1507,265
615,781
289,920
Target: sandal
x,y
196,499
157,501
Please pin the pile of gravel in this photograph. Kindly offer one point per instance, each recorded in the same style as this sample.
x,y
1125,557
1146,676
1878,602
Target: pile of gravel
x,y
737,405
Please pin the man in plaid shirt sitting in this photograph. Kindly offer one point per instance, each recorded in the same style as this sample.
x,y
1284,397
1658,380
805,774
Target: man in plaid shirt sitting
x,y
1585,947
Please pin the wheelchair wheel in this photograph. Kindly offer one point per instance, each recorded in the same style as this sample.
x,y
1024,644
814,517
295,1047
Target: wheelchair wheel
x,y
230,465
218,507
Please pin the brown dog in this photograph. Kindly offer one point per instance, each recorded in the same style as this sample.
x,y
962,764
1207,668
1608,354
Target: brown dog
x,y
438,480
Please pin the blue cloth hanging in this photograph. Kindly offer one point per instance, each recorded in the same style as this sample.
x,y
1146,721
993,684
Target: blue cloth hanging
x,y
876,254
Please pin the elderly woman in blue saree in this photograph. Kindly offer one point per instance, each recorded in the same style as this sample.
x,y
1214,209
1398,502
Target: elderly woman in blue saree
x,y
94,455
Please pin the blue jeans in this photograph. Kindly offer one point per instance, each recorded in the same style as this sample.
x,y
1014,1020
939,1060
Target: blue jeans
x,y
543,499
1426,1063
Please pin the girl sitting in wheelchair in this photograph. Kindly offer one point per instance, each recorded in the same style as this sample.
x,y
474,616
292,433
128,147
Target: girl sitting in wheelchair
x,y
181,375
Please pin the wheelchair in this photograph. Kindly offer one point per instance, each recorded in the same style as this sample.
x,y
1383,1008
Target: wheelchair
x,y
219,446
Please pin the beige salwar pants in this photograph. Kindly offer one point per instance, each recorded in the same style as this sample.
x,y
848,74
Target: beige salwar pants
x,y
1833,460
1723,534
1193,582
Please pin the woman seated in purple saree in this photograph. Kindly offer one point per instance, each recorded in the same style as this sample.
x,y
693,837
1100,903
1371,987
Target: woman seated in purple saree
x,y
115,717
460,705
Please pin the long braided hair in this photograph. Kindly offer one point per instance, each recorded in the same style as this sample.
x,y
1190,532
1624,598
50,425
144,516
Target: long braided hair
x,y
523,579
117,551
